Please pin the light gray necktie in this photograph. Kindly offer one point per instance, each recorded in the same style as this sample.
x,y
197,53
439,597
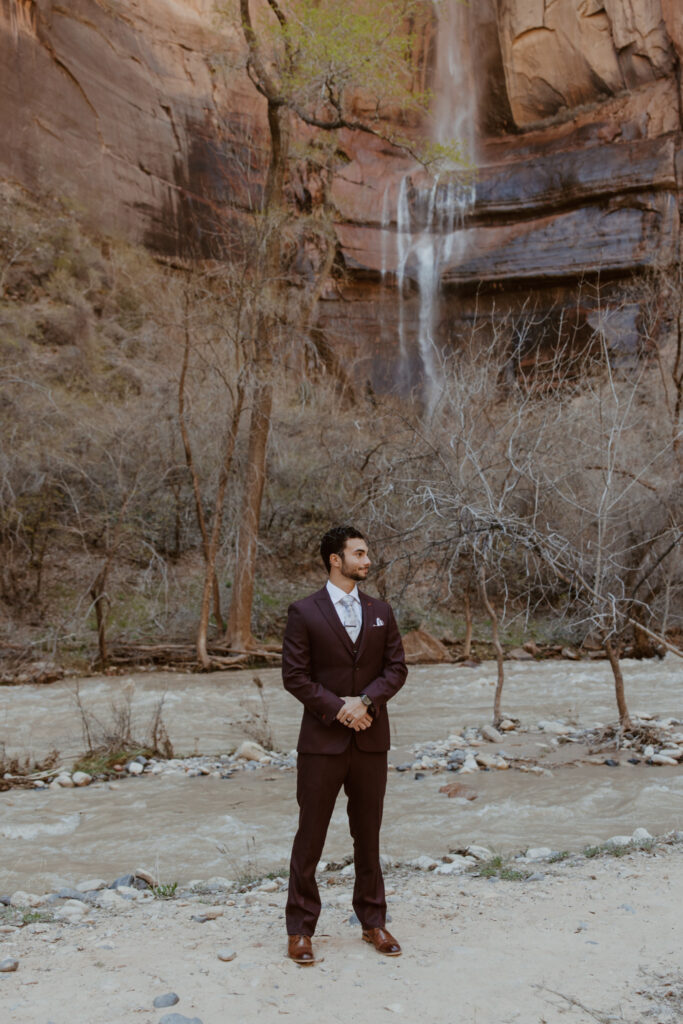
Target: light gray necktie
x,y
350,618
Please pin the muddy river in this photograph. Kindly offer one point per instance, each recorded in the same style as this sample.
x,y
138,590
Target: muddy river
x,y
196,827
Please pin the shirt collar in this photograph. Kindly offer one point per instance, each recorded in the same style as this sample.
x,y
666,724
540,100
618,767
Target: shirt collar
x,y
336,593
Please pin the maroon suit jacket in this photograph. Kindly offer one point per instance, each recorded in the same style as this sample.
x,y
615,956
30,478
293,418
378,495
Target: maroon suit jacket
x,y
319,667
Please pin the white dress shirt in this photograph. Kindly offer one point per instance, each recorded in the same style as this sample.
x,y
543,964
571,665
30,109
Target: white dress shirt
x,y
337,595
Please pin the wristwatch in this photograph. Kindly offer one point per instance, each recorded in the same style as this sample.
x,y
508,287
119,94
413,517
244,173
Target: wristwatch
x,y
366,700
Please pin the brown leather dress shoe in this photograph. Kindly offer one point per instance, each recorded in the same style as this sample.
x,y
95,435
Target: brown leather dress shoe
x,y
300,949
383,941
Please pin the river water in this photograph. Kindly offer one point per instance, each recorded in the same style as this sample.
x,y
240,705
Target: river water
x,y
196,827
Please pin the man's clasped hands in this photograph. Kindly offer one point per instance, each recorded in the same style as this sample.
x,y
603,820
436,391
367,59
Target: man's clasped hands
x,y
354,714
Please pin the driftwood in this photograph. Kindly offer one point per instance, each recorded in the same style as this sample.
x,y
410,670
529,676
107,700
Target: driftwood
x,y
221,656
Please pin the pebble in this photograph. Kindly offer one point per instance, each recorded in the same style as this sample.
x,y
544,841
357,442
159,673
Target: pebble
x,y
469,766
490,733
424,863
479,852
208,915
168,999
177,1018
662,759
226,955
64,780
71,911
554,728
25,899
135,768
218,883
539,853
251,751
507,725
81,779
618,841
8,965
92,885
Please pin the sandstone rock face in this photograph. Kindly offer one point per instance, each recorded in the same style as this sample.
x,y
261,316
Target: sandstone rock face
x,y
115,106
138,111
560,55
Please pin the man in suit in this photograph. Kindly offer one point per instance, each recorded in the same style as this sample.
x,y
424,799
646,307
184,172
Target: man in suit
x,y
342,657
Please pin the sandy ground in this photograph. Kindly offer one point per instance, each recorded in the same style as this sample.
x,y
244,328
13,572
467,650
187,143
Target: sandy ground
x,y
596,939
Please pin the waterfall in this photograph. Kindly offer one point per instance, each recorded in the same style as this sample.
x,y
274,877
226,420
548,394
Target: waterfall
x,y
429,217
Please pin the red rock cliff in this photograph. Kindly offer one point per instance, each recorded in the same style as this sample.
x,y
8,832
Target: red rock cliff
x,y
131,108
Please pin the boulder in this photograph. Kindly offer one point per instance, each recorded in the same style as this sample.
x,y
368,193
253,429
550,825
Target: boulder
x,y
252,751
421,648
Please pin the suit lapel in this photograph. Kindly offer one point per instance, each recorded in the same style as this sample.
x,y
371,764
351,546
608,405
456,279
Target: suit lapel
x,y
368,618
324,602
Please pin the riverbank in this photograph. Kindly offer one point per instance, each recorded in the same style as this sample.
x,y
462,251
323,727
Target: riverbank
x,y
580,939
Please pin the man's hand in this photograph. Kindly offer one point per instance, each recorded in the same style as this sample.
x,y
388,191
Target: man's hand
x,y
354,714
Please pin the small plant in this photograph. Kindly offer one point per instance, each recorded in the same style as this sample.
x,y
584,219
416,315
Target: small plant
x,y
555,858
36,916
165,891
112,741
614,850
259,727
499,867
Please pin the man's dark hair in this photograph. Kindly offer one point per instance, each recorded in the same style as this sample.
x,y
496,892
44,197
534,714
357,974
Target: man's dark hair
x,y
334,542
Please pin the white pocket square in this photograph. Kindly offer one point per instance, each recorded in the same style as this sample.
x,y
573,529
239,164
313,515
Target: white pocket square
x,y
378,622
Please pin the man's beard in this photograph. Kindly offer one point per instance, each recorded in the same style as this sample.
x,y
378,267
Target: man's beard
x,y
357,575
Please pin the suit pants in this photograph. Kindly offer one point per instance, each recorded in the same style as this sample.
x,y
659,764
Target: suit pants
x,y
319,779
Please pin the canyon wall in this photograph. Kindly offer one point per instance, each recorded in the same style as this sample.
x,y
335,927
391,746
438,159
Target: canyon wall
x,y
141,114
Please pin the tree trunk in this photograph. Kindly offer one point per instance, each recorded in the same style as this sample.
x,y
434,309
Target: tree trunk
x,y
613,657
210,571
497,717
467,643
99,598
189,460
239,634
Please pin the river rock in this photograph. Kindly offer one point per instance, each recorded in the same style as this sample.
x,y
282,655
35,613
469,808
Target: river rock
x,y
177,1018
490,733
218,884
134,768
67,893
8,965
109,899
469,766
618,841
72,911
424,863
676,753
81,779
25,899
64,780
538,853
168,999
662,759
507,725
92,885
554,728
251,751
640,835
455,865
226,955
479,852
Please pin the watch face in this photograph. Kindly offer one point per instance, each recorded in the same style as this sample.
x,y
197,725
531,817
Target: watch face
x,y
366,700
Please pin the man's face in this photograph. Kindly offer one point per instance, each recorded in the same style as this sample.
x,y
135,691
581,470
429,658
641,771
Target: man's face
x,y
354,560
